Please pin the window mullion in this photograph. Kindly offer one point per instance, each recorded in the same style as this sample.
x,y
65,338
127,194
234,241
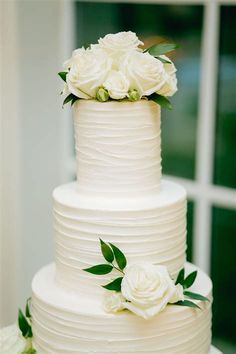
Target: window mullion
x,y
205,134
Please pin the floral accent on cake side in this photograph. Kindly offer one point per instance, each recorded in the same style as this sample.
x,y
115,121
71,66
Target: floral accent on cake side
x,y
116,68
17,338
142,288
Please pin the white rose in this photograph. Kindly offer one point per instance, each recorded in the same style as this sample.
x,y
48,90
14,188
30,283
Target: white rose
x,y
170,87
117,85
178,295
113,301
120,43
88,72
67,64
145,73
148,289
12,341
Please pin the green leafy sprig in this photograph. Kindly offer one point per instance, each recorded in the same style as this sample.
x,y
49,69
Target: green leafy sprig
x,y
187,283
116,260
24,321
156,51
160,49
161,100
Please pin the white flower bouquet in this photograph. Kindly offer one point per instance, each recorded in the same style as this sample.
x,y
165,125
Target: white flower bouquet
x,y
116,68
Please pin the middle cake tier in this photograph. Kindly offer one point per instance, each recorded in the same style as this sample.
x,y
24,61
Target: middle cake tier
x,y
152,229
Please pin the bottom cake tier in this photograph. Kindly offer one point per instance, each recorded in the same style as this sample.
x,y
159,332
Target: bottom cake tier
x,y
65,324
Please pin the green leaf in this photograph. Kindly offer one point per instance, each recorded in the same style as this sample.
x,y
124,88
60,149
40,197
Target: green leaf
x,y
164,61
99,269
24,325
62,75
190,280
69,98
161,48
106,251
115,285
195,296
187,303
161,100
27,308
119,256
180,277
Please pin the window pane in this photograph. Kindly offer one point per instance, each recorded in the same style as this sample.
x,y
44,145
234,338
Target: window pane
x,y
223,272
190,220
225,158
181,24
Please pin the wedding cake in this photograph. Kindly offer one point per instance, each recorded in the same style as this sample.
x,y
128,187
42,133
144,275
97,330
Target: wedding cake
x,y
118,284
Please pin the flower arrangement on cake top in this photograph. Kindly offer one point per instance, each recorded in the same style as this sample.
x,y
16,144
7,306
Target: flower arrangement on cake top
x,y
116,68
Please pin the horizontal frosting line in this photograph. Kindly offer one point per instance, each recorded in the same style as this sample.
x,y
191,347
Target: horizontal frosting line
x,y
98,178
154,210
94,243
80,254
105,233
171,224
73,262
70,223
102,131
126,116
98,159
77,214
84,244
78,236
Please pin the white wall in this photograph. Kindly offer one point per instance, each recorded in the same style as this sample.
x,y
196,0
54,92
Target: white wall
x,y
34,146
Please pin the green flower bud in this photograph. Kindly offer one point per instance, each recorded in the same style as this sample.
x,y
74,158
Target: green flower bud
x,y
133,95
29,351
102,95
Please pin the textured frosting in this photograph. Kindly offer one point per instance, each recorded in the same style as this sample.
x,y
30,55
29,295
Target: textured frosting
x,y
117,147
119,197
66,324
152,229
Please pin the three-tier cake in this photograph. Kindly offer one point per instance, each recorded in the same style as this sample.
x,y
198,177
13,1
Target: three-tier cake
x,y
120,197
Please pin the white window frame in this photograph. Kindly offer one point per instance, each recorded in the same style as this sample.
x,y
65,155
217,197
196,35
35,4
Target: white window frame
x,y
201,190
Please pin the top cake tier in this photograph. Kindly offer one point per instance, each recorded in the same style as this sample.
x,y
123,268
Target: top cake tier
x,y
118,147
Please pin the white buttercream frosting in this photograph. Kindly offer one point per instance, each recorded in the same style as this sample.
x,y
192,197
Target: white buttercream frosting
x,y
118,196
65,323
118,147
152,229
